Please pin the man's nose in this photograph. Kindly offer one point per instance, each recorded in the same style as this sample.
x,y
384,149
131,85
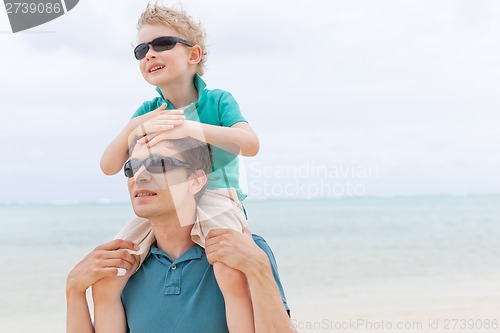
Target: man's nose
x,y
142,175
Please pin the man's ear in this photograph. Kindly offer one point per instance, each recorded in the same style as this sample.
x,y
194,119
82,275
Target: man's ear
x,y
199,180
195,55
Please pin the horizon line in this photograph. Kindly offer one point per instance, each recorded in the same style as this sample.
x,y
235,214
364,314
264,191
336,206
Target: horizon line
x,y
76,202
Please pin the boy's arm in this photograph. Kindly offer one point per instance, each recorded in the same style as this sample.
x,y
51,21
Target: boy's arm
x,y
109,315
240,135
116,153
108,311
237,139
78,316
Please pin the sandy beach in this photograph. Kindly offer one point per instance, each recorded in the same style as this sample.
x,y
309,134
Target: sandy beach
x,y
372,266
405,305
419,304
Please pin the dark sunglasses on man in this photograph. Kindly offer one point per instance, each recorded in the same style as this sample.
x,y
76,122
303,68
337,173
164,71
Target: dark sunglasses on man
x,y
154,164
159,44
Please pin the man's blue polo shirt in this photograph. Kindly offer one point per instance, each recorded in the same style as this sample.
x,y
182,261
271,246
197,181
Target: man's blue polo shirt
x,y
180,296
214,107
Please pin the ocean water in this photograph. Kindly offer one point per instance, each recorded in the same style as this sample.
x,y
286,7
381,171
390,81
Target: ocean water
x,y
347,265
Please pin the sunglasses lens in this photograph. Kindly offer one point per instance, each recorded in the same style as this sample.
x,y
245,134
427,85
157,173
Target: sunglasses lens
x,y
159,44
156,164
141,50
163,44
127,169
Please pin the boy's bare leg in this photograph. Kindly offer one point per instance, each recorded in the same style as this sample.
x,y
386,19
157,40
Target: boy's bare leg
x,y
234,287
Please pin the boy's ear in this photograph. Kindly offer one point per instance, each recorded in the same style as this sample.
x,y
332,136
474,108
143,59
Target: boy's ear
x,y
199,180
195,54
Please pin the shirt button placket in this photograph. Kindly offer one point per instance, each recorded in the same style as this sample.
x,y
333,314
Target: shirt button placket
x,y
173,280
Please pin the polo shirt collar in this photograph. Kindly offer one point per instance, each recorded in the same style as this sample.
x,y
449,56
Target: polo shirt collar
x,y
198,83
195,252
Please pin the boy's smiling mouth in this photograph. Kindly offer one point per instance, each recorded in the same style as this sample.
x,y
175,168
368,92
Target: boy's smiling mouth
x,y
155,68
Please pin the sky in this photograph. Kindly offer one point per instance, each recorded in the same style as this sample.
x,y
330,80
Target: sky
x,y
349,98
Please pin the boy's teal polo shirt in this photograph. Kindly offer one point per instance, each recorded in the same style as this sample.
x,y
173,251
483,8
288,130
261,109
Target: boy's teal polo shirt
x,y
180,296
214,107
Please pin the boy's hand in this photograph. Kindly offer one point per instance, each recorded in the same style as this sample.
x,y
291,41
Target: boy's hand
x,y
164,120
186,128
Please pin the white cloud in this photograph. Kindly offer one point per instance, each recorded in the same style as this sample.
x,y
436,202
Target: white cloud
x,y
409,87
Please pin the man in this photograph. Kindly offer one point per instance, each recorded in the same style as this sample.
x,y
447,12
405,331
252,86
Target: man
x,y
175,288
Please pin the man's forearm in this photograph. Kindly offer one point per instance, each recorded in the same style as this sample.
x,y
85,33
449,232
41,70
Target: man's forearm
x,y
77,313
269,312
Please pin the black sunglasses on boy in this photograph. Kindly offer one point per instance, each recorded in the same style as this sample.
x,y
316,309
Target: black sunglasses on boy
x,y
159,44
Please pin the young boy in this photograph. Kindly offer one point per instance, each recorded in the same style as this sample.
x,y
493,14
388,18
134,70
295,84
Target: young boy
x,y
171,53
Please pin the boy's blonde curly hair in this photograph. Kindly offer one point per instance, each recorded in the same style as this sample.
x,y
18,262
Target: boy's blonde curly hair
x,y
180,21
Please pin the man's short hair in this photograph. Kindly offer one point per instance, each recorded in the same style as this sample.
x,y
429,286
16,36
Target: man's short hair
x,y
195,153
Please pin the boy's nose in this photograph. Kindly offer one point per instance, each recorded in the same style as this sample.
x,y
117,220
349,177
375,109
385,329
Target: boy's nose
x,y
151,52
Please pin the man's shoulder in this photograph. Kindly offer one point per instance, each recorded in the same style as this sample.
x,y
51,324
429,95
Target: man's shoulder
x,y
258,238
261,242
